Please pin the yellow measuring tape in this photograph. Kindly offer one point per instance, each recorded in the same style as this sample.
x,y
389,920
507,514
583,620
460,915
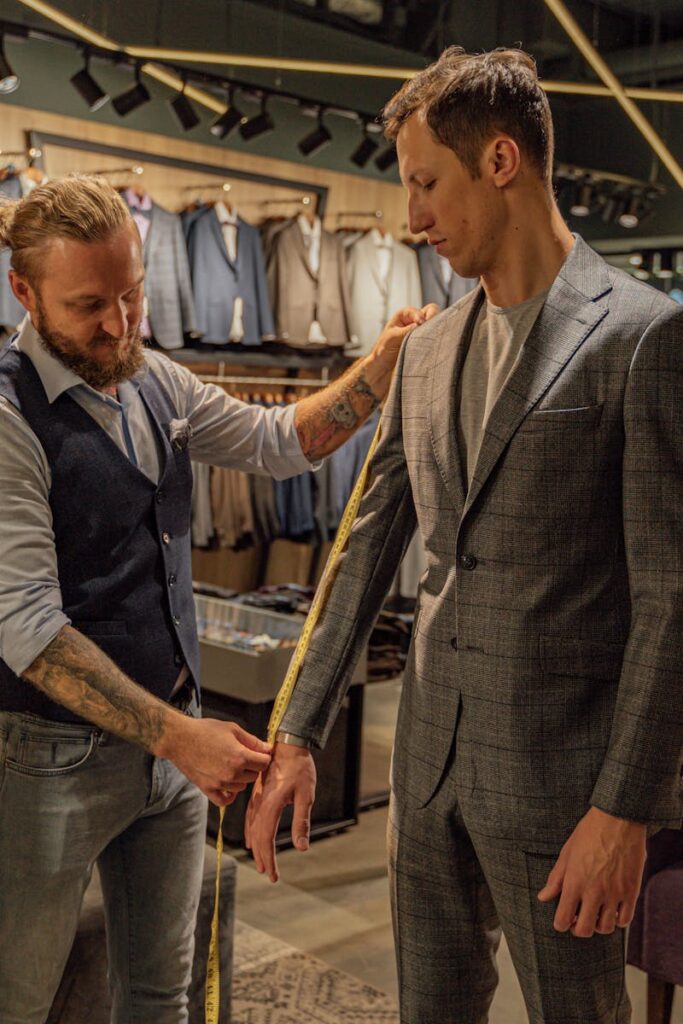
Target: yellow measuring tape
x,y
212,996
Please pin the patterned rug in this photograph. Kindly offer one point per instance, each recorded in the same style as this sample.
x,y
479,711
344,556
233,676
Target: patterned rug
x,y
274,983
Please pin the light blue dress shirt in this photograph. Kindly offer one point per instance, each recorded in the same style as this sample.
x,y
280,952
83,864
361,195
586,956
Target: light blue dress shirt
x,y
225,432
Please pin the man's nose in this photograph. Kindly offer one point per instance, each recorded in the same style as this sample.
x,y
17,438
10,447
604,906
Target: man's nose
x,y
419,219
115,321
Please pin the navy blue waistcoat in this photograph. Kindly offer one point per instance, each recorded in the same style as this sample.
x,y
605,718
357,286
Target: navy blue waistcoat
x,y
123,543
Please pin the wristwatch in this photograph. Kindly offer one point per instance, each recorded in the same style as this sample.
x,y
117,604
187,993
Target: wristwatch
x,y
289,737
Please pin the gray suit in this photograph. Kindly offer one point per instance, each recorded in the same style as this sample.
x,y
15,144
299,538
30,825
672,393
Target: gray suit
x,y
544,673
434,288
167,280
298,295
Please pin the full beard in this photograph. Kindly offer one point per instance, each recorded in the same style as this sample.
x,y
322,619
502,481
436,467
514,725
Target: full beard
x,y
128,358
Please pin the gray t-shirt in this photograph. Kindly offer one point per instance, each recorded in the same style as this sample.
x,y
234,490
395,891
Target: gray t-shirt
x,y
497,339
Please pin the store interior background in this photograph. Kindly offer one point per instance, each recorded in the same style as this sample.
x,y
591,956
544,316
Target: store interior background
x,y
333,902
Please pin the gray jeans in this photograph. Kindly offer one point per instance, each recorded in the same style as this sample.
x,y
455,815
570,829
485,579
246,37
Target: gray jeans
x,y
72,796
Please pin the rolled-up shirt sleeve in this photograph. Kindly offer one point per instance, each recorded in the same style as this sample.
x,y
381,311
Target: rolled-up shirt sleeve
x,y
31,610
230,433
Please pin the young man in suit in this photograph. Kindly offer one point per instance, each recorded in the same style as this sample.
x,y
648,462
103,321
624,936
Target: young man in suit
x,y
533,434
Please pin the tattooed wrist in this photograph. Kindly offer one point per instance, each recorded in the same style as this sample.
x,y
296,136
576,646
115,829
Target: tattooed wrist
x,y
363,388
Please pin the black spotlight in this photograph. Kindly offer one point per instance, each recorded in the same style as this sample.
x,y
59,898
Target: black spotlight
x,y
315,140
132,98
184,112
364,150
582,202
386,159
228,120
630,217
88,89
8,80
258,125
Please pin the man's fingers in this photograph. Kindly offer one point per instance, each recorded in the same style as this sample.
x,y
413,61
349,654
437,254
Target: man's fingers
x,y
430,310
553,886
567,910
254,762
607,919
587,918
253,742
625,911
301,822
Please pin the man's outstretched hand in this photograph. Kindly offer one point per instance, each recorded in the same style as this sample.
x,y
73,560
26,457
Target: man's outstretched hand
x,y
597,875
289,779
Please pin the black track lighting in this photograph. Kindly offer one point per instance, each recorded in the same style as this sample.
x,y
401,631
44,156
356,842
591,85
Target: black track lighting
x,y
257,125
87,88
387,158
132,98
228,120
366,148
663,264
630,216
582,202
183,111
315,140
8,80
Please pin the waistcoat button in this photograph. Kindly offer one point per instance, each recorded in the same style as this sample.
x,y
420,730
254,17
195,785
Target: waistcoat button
x,y
176,620
172,580
166,537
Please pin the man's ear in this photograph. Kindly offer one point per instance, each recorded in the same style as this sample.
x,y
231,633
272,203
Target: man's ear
x,y
502,160
23,291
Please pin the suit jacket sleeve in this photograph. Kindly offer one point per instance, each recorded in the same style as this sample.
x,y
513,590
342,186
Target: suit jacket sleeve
x,y
384,527
187,308
265,313
640,778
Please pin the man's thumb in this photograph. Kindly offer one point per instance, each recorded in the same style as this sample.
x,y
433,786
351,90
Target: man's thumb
x,y
253,742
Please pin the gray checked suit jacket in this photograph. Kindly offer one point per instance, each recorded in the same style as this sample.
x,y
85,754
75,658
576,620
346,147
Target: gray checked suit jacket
x,y
547,654
167,280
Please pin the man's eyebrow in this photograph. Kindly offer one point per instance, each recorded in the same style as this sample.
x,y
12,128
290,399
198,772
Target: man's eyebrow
x,y
78,297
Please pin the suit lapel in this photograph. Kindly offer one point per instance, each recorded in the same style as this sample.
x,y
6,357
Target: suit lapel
x,y
217,232
298,240
449,356
569,315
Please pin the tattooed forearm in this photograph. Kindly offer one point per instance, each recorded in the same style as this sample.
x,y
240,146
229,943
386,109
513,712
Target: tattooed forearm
x,y
326,420
75,673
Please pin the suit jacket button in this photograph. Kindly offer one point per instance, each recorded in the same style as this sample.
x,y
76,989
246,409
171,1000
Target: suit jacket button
x,y
454,643
177,659
467,561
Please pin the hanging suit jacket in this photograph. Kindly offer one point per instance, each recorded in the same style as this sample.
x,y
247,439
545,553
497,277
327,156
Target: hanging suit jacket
x,y
167,280
434,288
546,662
299,296
218,281
373,301
11,310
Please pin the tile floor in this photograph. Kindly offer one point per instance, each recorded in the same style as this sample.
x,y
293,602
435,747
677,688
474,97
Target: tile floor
x,y
333,902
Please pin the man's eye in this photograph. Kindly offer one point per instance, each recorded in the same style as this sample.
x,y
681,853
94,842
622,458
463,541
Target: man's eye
x,y
430,185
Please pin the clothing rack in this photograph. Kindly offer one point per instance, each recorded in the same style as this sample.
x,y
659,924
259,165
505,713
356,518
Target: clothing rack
x,y
135,169
30,154
282,382
377,214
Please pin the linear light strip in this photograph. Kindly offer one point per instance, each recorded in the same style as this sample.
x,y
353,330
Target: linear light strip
x,y
584,45
332,67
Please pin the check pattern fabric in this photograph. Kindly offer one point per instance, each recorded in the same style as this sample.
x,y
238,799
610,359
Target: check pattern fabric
x,y
546,658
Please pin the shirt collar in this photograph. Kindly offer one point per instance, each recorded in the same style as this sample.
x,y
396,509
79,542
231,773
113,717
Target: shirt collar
x,y
54,376
137,202
381,241
312,230
225,215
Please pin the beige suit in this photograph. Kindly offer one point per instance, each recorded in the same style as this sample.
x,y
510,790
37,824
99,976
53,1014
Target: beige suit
x,y
299,296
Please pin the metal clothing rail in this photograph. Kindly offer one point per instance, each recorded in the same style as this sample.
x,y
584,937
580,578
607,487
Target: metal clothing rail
x,y
280,382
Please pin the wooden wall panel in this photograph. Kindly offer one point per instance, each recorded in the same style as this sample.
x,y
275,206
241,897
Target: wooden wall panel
x,y
175,188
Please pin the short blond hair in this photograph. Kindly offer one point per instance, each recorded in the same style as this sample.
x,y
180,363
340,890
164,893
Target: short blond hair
x,y
80,206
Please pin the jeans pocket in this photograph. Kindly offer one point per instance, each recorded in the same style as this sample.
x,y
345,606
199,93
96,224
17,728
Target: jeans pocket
x,y
49,753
